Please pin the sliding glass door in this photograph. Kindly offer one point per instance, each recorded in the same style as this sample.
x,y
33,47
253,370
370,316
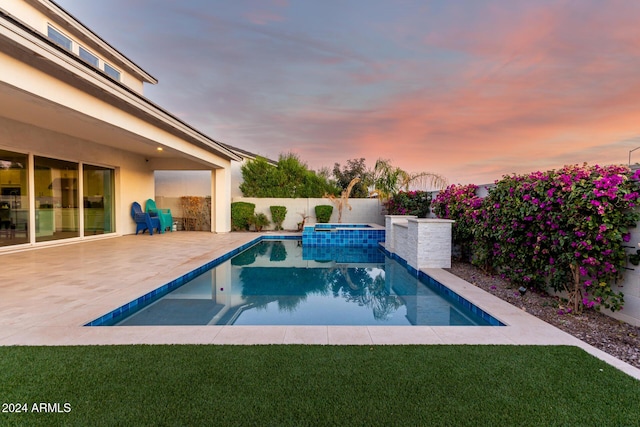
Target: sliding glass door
x,y
98,200
57,205
14,198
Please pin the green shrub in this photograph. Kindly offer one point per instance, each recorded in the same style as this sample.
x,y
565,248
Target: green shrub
x,y
323,213
259,221
278,214
241,212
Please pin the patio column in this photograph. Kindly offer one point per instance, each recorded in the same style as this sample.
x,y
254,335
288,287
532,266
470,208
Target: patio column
x,y
221,200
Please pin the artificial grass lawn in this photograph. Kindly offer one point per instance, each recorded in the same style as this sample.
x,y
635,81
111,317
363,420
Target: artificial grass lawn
x,y
316,385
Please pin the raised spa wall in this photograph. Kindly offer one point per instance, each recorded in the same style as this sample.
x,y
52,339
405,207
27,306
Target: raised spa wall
x,y
422,242
350,235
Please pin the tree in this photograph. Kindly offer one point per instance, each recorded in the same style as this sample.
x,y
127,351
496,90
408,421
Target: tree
x,y
355,168
388,179
343,201
290,178
256,177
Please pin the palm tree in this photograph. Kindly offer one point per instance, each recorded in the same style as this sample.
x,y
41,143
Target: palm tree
x,y
344,198
423,181
388,179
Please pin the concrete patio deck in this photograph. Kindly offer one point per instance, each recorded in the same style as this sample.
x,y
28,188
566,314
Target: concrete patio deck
x,y
47,294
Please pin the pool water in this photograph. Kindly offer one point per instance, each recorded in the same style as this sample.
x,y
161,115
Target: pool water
x,y
335,226
284,283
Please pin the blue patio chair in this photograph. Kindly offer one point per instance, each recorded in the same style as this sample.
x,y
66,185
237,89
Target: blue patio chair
x,y
143,220
164,215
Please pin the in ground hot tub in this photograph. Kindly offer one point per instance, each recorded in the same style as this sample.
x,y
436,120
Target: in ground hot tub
x,y
337,234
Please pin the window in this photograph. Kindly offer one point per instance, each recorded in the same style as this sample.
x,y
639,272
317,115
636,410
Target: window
x,y
111,71
88,56
59,38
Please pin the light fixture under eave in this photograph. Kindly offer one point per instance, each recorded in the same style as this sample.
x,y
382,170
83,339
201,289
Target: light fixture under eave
x,y
159,148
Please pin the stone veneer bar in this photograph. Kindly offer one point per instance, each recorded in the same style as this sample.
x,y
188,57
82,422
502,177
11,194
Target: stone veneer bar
x,y
422,242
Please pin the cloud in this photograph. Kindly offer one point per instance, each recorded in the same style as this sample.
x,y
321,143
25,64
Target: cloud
x,y
469,89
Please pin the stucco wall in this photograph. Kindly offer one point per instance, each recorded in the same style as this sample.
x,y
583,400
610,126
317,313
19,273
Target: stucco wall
x,y
236,178
630,286
363,210
25,12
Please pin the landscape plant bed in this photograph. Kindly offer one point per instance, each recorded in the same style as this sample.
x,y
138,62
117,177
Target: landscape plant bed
x,y
617,338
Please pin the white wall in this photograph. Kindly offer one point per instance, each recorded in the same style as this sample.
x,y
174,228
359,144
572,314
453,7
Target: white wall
x,y
630,286
236,178
363,210
183,183
171,185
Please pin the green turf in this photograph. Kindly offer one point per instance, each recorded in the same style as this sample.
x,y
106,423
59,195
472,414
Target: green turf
x,y
316,385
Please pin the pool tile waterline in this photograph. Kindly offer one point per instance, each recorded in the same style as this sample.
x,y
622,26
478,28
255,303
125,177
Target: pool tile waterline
x,y
351,235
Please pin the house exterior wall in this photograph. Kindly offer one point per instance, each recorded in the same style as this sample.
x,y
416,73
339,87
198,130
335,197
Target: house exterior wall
x,y
134,181
53,104
32,13
63,97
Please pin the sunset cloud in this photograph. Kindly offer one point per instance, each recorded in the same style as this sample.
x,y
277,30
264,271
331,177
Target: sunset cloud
x,y
471,90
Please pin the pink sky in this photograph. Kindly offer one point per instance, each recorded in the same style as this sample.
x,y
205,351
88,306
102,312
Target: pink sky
x,y
469,89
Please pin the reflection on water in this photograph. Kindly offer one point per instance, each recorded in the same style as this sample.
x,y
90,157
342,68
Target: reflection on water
x,y
289,287
282,283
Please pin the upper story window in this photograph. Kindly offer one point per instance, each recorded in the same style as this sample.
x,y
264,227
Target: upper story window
x,y
88,56
111,71
59,38
72,46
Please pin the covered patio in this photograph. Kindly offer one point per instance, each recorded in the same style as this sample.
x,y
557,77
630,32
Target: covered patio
x,y
78,144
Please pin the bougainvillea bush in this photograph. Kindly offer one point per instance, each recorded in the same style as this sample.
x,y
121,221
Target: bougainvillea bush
x,y
409,203
565,228
459,203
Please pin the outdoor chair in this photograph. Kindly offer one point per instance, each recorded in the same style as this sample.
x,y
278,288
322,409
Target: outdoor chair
x,y
164,215
143,220
7,227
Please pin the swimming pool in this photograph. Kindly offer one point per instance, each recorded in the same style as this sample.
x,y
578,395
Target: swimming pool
x,y
282,282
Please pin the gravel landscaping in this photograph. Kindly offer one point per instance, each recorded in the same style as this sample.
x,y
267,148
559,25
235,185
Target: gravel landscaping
x,y
610,335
